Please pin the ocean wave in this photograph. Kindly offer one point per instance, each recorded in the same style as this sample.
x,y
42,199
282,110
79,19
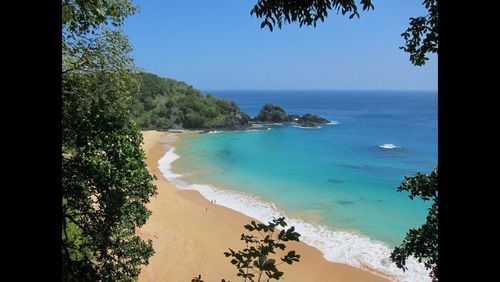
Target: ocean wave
x,y
306,127
258,125
336,246
389,146
333,122
254,130
214,131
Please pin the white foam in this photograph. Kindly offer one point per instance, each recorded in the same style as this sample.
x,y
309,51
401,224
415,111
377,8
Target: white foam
x,y
254,130
336,246
333,122
389,146
307,127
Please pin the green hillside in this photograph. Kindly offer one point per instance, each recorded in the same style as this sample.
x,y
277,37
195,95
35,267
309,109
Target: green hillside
x,y
164,103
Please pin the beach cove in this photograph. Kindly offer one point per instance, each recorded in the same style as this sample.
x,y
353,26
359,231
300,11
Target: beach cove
x,y
190,234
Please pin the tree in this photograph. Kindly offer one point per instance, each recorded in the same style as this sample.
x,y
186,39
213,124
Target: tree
x,y
422,242
105,183
421,36
255,260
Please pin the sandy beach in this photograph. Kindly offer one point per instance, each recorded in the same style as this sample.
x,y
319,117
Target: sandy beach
x,y
190,234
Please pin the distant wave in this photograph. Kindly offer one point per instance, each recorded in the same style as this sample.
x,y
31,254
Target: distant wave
x,y
333,122
214,131
389,146
254,130
336,246
307,127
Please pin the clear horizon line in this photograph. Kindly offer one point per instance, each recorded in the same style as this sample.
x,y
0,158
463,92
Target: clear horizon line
x,y
319,89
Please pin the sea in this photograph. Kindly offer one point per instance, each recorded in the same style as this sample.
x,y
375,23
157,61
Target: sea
x,y
337,183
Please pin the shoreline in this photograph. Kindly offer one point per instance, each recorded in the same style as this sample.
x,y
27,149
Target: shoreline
x,y
190,234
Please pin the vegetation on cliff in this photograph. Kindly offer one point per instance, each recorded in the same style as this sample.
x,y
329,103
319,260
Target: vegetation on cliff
x,y
164,103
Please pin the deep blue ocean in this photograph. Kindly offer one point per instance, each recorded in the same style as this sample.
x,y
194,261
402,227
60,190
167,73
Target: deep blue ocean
x,y
341,178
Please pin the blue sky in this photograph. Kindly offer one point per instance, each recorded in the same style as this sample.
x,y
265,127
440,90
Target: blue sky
x,y
216,44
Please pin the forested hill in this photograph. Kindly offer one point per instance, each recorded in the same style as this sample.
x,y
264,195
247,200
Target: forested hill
x,y
164,103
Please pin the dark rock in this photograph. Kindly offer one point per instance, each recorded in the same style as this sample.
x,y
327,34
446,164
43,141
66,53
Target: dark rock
x,y
271,113
310,120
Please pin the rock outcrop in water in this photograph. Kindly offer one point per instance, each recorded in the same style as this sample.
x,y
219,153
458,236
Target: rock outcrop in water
x,y
270,113
311,120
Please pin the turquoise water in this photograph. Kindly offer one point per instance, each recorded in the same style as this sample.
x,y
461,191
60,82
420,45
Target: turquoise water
x,y
336,176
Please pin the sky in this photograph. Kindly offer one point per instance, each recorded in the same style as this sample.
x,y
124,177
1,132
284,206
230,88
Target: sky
x,y
218,45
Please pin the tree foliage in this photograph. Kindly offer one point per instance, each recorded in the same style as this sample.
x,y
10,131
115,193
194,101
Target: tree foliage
x,y
421,36
422,242
305,12
83,17
255,259
105,183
